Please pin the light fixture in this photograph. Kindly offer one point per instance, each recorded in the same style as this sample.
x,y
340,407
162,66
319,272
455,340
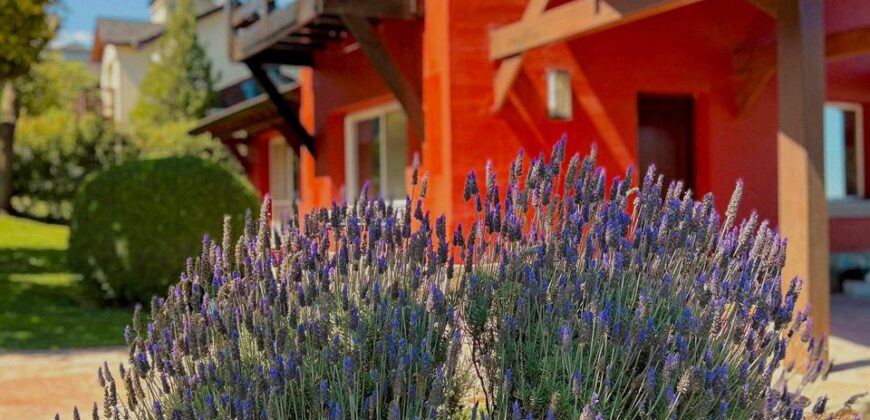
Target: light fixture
x,y
559,101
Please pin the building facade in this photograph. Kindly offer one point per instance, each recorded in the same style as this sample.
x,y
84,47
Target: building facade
x,y
124,48
712,91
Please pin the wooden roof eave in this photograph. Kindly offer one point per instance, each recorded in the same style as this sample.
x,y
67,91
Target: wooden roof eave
x,y
252,115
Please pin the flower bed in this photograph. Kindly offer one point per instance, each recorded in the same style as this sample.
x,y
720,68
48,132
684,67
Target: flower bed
x,y
574,299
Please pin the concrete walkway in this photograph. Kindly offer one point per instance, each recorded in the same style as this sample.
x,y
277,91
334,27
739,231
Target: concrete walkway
x,y
39,384
849,349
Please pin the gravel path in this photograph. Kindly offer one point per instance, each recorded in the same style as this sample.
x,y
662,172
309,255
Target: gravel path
x,y
39,384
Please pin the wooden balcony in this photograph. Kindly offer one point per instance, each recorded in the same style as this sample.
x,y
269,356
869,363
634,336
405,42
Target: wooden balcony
x,y
288,31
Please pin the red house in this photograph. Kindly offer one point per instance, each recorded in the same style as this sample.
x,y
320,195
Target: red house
x,y
770,91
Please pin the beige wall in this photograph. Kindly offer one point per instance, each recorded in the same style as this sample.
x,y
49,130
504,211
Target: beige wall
x,y
212,32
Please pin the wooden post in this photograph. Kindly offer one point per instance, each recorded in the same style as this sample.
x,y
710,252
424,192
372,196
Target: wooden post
x,y
803,213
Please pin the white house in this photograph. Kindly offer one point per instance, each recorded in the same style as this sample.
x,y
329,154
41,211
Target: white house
x,y
123,49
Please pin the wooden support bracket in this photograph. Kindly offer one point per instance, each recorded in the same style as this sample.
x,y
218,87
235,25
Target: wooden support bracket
x,y
510,67
297,132
361,29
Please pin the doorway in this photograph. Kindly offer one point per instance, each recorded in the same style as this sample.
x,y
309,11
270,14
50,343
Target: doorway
x,y
666,135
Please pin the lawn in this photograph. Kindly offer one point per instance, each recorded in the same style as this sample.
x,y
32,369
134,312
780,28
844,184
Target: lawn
x,y
41,303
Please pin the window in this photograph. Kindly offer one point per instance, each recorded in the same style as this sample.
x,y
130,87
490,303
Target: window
x,y
283,179
376,150
844,149
665,136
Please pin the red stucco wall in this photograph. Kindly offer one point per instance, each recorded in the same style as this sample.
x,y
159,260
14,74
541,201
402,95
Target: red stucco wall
x,y
687,51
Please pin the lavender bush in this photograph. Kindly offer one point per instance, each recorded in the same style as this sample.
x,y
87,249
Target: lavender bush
x,y
563,299
287,328
586,303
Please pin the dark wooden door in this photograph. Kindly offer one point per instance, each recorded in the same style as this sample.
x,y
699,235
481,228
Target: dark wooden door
x,y
665,136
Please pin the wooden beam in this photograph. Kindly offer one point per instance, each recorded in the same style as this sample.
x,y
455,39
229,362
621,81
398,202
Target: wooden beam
x,y
838,46
754,67
767,6
393,9
284,109
372,47
750,86
233,146
573,19
848,44
803,213
509,68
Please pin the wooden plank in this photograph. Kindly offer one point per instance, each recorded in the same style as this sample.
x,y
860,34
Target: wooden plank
x,y
372,47
803,214
244,15
509,68
270,29
283,106
573,19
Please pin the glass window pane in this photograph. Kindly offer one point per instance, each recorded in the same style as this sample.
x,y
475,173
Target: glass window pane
x,y
368,133
396,154
851,141
282,182
835,152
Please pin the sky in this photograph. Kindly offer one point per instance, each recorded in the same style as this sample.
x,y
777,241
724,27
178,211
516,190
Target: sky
x,y
80,16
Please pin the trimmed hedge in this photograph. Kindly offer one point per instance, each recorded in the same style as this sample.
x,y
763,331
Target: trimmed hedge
x,y
132,223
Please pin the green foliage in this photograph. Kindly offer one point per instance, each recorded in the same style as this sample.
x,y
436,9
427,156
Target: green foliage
x,y
41,303
25,31
172,139
132,223
178,85
54,83
54,152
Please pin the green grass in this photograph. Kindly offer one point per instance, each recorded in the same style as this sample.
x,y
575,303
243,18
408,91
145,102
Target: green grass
x,y
42,305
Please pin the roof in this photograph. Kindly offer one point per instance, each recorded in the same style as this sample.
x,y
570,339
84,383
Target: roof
x,y
132,32
252,115
126,32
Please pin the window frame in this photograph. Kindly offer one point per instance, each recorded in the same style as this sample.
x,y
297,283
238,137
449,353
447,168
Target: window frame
x,y
852,205
292,162
351,146
859,146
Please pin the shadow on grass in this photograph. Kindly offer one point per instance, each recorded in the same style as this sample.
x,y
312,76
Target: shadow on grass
x,y
31,261
43,306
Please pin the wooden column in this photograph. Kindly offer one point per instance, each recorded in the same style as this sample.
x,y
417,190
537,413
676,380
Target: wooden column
x,y
803,213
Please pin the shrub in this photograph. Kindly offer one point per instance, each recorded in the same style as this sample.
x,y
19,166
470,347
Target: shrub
x,y
625,303
53,153
288,329
572,303
172,139
132,222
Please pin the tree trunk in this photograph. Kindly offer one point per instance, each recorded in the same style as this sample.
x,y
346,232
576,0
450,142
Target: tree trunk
x,y
8,119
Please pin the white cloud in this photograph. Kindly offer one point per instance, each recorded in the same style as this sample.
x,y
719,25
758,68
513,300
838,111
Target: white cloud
x,y
85,38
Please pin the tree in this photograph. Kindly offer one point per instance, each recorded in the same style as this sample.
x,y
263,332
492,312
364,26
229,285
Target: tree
x,y
178,85
54,83
25,31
